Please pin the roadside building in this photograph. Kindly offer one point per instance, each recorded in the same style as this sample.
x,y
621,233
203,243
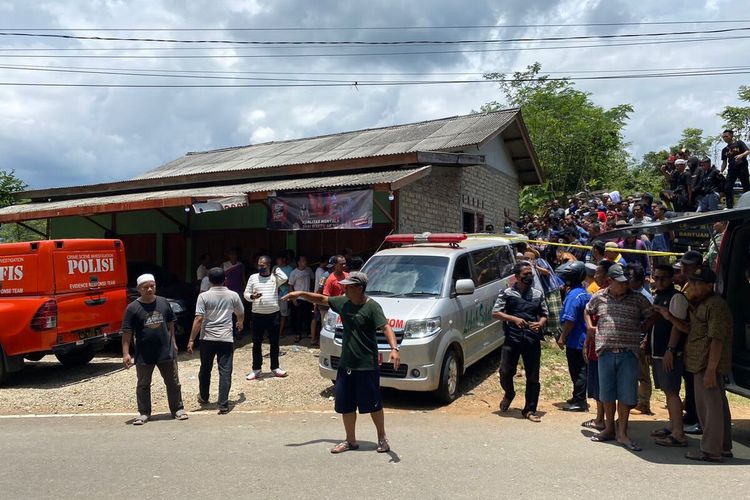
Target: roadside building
x,y
447,175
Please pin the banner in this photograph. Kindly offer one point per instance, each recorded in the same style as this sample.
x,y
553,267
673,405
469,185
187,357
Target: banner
x,y
218,204
321,210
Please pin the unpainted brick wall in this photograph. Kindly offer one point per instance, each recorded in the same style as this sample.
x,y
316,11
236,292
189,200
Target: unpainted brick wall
x,y
436,202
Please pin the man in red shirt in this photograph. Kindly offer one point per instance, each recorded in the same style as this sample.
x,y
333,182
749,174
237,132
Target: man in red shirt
x,y
333,288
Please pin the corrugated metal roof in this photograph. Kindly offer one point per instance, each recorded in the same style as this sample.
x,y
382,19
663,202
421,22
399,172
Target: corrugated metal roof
x,y
205,193
436,135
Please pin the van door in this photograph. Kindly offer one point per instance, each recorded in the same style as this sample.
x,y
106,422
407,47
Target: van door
x,y
463,303
90,287
487,332
734,268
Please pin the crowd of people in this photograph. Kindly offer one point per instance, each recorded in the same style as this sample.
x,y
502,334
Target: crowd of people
x,y
619,328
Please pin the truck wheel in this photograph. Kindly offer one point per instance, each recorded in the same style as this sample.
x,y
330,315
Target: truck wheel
x,y
450,376
3,369
76,357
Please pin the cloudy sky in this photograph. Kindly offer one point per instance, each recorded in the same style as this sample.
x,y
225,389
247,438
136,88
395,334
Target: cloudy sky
x,y
57,136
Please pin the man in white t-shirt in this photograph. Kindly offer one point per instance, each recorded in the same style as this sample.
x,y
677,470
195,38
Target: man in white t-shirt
x,y
262,291
213,321
321,274
300,280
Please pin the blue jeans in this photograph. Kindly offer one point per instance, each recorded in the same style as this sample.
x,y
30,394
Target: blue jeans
x,y
708,203
618,377
224,354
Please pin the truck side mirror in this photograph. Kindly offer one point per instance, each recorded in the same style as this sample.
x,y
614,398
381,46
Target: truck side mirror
x,y
465,287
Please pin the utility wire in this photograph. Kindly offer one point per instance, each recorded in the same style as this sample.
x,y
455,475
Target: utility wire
x,y
367,84
115,72
364,54
374,42
395,28
187,72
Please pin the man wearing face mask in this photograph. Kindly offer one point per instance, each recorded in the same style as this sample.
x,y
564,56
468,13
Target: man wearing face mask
x,y
262,292
524,311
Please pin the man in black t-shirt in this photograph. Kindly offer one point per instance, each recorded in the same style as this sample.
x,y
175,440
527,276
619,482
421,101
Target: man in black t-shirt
x,y
151,321
734,162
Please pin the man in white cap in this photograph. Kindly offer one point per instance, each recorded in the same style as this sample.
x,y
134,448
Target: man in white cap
x,y
151,320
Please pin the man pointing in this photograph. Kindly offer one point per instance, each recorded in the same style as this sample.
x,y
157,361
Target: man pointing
x,y
358,377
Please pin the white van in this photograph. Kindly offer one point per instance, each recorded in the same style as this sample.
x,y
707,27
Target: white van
x,y
437,291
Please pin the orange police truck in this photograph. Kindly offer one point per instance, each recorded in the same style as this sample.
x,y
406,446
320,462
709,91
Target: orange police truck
x,y
61,297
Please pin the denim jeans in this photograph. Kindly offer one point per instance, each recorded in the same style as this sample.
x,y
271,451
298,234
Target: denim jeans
x,y
224,354
265,324
708,202
168,370
530,350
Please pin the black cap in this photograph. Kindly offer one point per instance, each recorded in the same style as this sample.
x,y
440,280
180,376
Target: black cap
x,y
704,274
692,258
332,261
617,273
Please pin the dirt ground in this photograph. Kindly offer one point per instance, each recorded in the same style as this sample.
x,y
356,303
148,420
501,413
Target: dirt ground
x,y
45,387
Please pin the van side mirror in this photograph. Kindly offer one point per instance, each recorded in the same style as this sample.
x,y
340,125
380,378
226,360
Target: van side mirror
x,y
465,287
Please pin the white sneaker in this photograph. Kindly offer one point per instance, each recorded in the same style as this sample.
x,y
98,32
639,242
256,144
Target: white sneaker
x,y
253,375
278,372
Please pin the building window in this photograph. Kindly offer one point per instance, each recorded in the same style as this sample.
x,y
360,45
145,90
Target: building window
x,y
469,222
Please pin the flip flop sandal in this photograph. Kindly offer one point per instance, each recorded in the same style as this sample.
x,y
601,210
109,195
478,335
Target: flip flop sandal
x,y
703,457
632,446
181,415
383,446
661,433
671,442
344,446
599,438
591,424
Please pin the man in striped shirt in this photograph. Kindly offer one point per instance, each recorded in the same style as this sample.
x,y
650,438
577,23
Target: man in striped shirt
x,y
262,291
621,314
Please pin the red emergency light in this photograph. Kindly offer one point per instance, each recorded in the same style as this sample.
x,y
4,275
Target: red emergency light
x,y
453,238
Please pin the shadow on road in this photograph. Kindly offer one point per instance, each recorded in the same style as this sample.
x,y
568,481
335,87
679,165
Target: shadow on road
x,y
363,446
640,431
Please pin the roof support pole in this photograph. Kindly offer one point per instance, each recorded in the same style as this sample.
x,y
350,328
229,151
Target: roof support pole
x,y
179,224
106,229
33,230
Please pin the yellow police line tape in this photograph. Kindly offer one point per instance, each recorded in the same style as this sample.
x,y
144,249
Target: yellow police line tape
x,y
653,253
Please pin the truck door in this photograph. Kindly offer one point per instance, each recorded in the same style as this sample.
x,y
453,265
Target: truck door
x,y
90,281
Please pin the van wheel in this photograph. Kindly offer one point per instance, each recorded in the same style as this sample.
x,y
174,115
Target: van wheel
x,y
450,377
76,357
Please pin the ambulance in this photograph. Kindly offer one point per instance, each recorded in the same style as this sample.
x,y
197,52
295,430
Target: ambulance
x,y
61,297
437,291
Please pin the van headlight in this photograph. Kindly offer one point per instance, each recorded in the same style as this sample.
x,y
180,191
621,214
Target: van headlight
x,y
330,321
421,328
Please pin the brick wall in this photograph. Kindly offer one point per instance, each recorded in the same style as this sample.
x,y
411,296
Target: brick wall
x,y
486,190
436,202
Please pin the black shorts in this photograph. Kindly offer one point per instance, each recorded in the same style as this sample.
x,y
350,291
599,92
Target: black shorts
x,y
358,390
668,381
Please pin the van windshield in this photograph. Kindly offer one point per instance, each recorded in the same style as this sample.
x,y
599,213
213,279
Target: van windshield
x,y
405,275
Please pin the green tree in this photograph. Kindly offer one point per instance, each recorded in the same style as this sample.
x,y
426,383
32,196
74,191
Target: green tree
x,y
580,145
737,118
9,184
692,139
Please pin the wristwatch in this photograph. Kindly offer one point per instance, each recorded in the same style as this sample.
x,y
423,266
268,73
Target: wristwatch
x,y
671,349
395,349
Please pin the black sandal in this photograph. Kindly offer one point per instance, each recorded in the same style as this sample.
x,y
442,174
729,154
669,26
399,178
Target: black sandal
x,y
344,446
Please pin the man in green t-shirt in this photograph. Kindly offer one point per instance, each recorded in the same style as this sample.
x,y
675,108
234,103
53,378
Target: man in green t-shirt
x,y
358,377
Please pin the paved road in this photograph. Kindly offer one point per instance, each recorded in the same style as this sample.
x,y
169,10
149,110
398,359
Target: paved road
x,y
266,455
